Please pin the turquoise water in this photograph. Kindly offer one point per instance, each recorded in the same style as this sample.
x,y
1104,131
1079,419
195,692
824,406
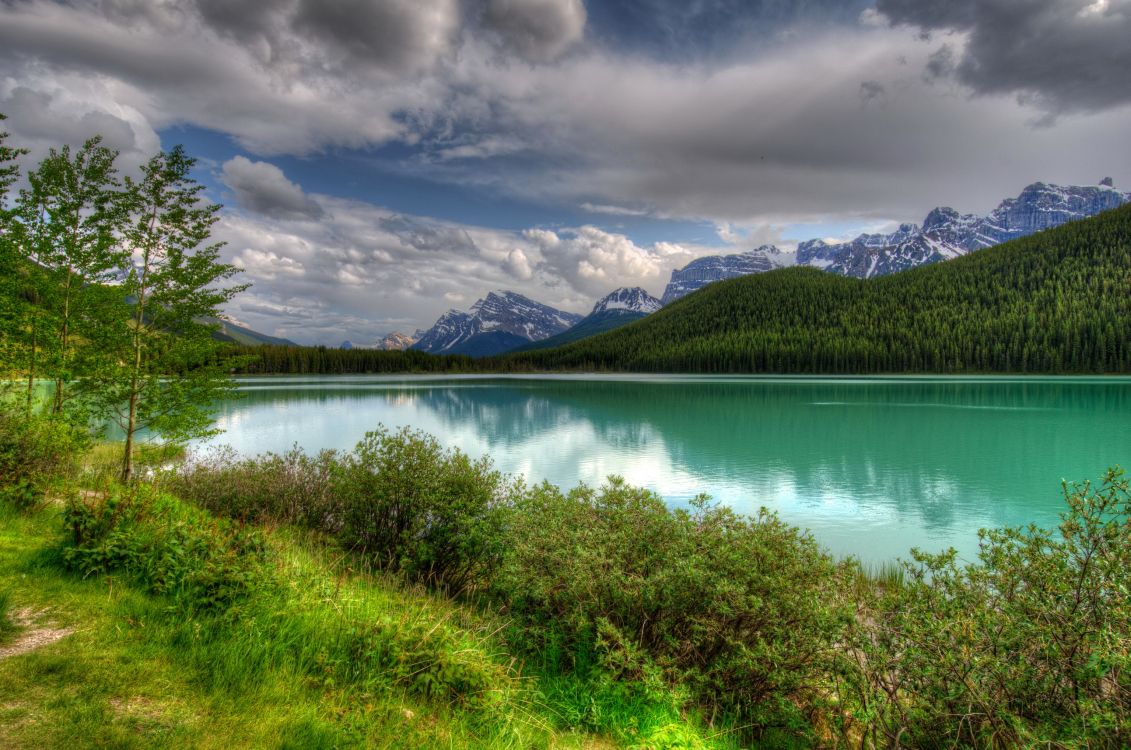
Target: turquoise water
x,y
872,466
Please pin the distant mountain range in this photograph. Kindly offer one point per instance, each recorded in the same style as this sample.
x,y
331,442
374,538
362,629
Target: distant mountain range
x,y
943,235
1052,302
507,321
499,322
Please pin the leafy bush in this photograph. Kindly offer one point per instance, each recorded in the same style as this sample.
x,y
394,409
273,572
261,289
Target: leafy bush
x,y
34,452
288,488
409,505
1029,646
165,546
742,611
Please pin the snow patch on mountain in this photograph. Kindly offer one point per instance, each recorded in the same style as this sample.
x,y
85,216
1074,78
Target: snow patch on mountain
x,y
628,299
500,311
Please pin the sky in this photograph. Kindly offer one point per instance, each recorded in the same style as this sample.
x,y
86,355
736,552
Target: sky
x,y
382,161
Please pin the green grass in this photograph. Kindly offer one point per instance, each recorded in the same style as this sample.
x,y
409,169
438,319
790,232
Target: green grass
x,y
334,657
103,462
8,626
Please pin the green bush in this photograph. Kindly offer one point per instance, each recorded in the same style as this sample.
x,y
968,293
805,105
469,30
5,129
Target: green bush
x,y
35,451
1027,647
279,488
165,546
743,612
409,505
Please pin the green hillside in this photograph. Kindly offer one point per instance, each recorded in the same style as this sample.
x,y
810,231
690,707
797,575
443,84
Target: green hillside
x,y
590,326
1057,301
234,334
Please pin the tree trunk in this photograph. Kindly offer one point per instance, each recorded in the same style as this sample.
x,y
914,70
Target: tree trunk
x,y
31,365
131,428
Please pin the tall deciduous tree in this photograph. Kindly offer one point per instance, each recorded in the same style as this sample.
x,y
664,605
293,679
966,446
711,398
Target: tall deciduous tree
x,y
160,370
9,307
71,216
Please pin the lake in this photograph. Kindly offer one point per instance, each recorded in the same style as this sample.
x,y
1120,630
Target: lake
x,y
872,466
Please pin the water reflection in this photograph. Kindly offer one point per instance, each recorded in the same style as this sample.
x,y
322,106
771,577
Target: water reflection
x,y
871,466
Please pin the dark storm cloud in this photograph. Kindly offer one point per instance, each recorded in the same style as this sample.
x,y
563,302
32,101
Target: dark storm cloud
x,y
538,30
399,35
1063,55
940,64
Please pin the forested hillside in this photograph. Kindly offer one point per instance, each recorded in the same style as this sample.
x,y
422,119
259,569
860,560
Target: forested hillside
x,y
1057,301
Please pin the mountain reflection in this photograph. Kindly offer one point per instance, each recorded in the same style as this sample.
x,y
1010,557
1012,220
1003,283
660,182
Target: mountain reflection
x,y
871,466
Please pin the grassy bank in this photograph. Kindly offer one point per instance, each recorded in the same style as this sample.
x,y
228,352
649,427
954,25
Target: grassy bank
x,y
283,642
403,595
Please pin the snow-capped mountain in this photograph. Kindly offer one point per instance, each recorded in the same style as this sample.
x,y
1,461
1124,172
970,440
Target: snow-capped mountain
x,y
944,234
702,271
627,299
397,341
947,234
500,321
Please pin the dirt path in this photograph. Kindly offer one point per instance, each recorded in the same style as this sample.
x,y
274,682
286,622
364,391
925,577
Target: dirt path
x,y
36,635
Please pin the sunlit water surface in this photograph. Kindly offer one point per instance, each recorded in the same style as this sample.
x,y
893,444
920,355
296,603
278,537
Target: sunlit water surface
x,y
872,466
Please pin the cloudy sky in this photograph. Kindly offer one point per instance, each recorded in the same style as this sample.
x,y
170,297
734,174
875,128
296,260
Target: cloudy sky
x,y
381,161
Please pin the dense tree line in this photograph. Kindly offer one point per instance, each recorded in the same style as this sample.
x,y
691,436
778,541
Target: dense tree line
x,y
321,360
1055,302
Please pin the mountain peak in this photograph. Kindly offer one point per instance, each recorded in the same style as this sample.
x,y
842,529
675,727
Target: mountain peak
x,y
507,316
629,299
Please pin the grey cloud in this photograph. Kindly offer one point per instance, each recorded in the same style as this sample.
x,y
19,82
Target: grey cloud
x,y
538,30
871,90
940,64
427,236
32,112
1059,55
400,35
264,189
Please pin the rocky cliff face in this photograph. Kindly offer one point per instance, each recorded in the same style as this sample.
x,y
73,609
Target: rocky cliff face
x,y
397,341
702,271
499,312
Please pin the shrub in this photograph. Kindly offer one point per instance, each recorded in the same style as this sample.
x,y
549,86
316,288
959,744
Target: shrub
x,y
34,452
281,488
165,546
742,611
1029,646
409,505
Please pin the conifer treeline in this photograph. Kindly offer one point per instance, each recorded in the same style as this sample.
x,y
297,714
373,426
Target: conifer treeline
x,y
321,360
1055,302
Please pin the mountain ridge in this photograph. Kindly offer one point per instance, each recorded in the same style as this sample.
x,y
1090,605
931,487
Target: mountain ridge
x,y
501,318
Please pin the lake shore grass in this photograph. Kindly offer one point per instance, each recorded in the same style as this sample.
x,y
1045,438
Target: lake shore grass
x,y
135,671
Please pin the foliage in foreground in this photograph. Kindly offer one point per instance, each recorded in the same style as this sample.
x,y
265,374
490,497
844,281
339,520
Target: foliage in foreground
x,y
741,612
399,500
1030,645
630,618
36,452
748,619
